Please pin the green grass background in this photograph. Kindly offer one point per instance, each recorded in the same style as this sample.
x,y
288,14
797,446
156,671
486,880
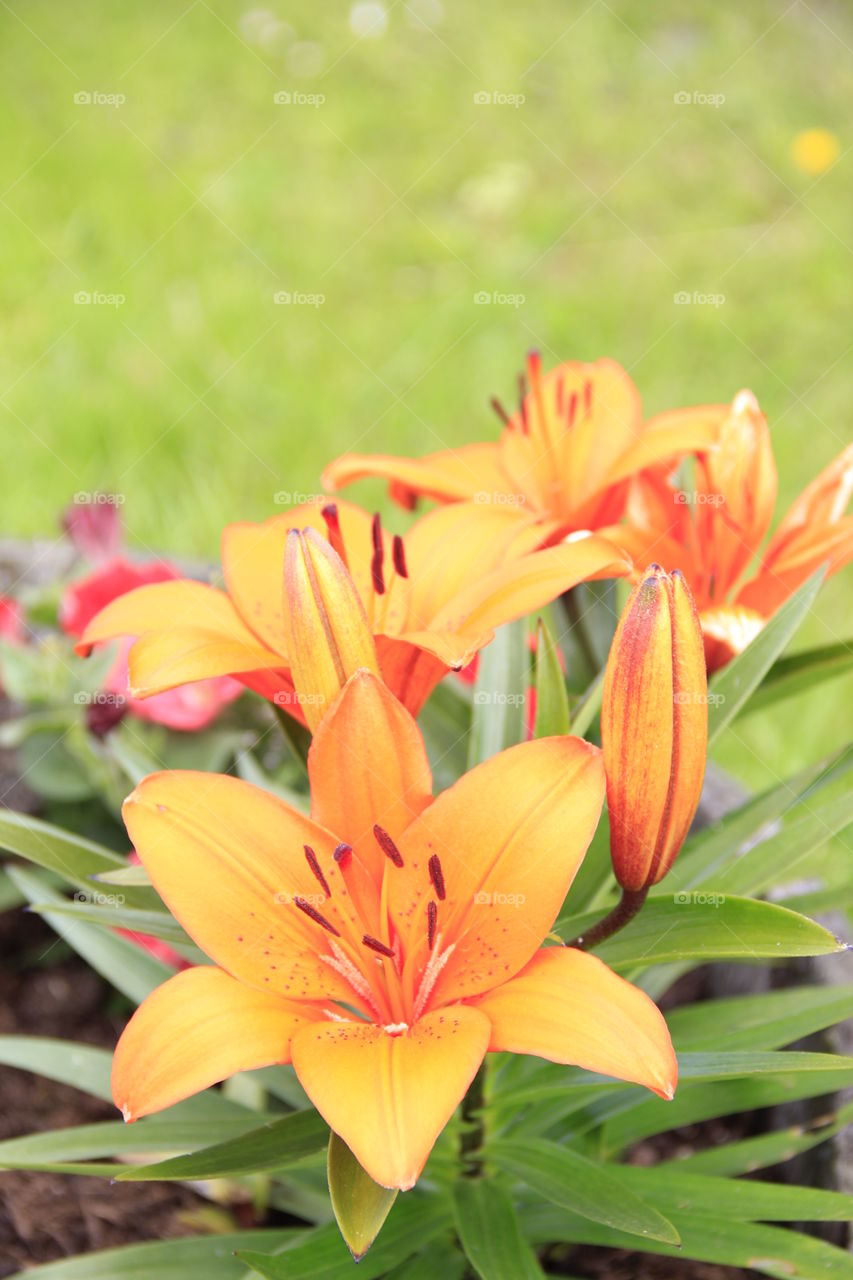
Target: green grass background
x,y
398,198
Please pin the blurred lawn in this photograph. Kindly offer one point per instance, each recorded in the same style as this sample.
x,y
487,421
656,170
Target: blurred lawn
x,y
397,199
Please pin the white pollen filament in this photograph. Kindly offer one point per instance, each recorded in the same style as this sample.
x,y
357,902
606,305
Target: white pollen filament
x,y
396,1028
336,1017
342,964
435,964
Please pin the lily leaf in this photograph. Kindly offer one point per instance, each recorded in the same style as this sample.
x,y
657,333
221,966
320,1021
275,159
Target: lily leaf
x,y
552,699
500,694
490,1232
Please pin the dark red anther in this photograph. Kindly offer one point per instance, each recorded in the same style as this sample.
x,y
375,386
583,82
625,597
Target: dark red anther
x,y
387,845
376,945
436,875
314,914
311,859
500,410
572,408
432,921
522,405
400,556
333,529
342,854
378,557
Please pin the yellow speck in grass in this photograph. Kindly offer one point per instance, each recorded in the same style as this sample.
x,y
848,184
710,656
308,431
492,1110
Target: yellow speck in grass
x,y
814,150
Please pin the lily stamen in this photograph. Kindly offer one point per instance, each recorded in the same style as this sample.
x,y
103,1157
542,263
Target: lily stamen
x,y
387,845
311,859
314,914
432,920
333,530
376,563
436,875
375,945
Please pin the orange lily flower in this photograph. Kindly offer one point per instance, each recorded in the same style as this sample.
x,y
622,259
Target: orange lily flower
x,y
566,455
432,598
654,728
384,944
713,539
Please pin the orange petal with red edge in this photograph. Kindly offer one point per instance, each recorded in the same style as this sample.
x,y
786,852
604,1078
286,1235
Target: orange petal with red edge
x,y
197,1029
509,836
368,765
327,632
726,632
389,1094
568,1007
229,861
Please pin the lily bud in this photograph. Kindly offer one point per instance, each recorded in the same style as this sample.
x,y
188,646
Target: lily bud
x,y
328,636
654,728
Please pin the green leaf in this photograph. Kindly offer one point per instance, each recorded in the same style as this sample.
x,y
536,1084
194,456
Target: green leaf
x,y
767,1149
131,970
490,1234
552,700
322,1255
589,706
133,875
109,915
275,1145
703,925
745,1200
774,860
500,694
200,1258
729,691
797,672
766,1021
771,1251
594,1190
360,1204
79,1065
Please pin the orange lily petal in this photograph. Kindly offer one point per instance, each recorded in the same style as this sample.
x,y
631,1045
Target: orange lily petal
x,y
531,582
389,1095
568,1007
654,728
229,861
162,606
197,1029
450,475
327,632
165,659
823,502
368,765
412,670
509,836
665,436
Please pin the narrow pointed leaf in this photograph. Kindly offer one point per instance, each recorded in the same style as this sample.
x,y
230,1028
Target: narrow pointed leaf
x,y
500,694
490,1232
552,699
797,672
360,1204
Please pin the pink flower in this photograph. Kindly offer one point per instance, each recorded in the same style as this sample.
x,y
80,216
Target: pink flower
x,y
189,708
94,528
